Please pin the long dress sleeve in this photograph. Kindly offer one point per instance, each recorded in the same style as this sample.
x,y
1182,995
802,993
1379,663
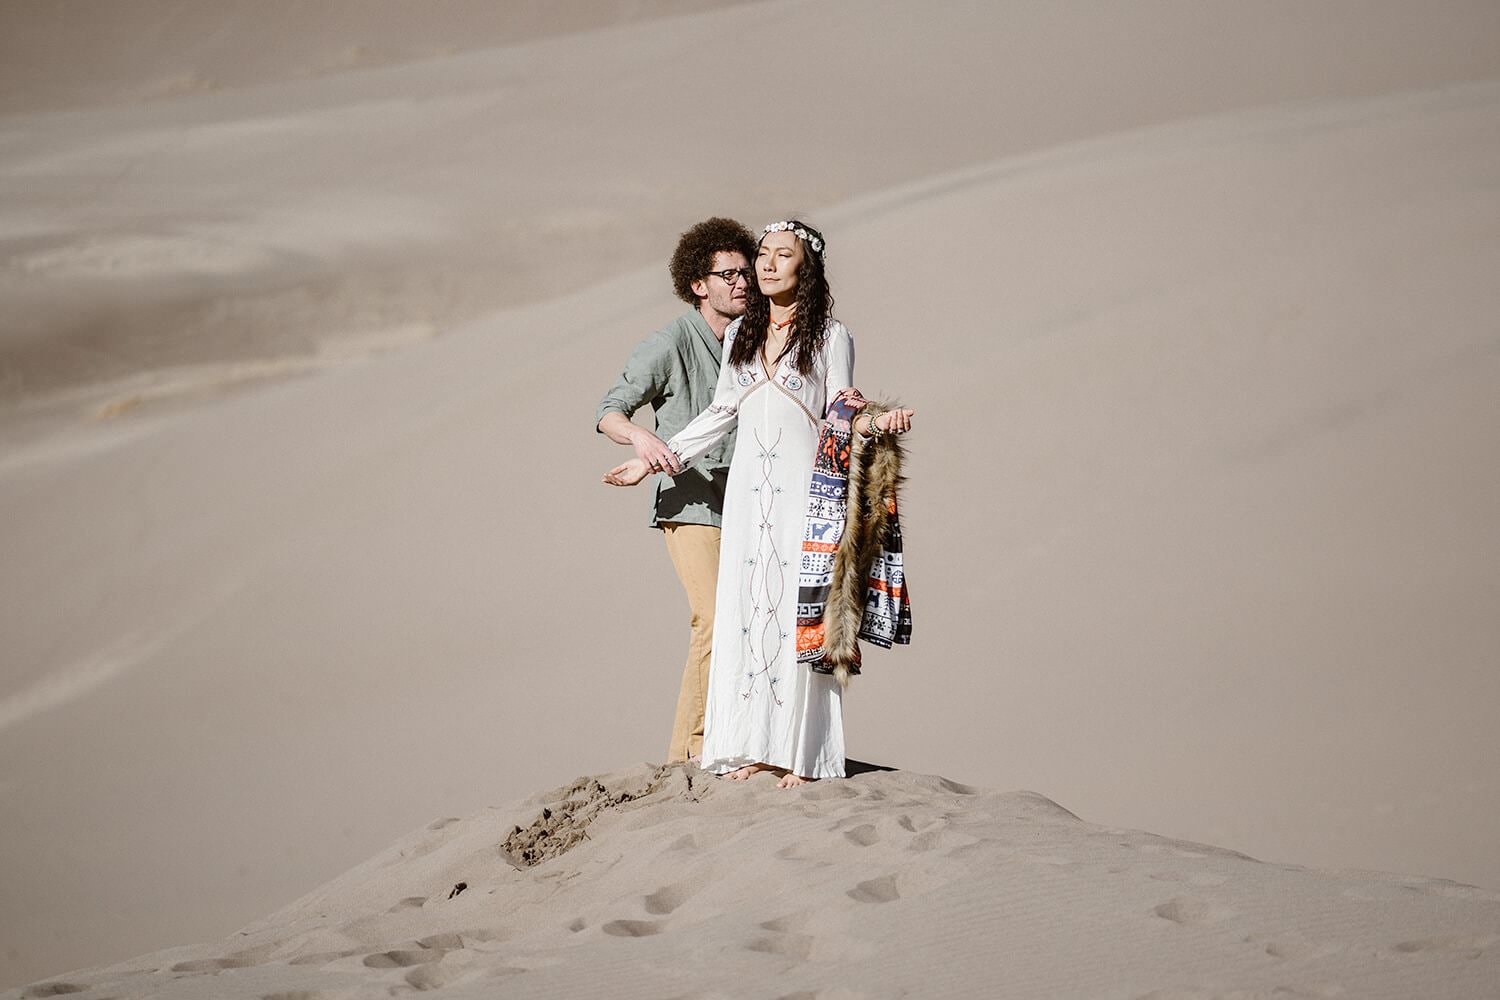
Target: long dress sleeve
x,y
840,349
708,428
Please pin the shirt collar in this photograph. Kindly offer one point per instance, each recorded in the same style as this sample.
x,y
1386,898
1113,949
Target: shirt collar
x,y
705,333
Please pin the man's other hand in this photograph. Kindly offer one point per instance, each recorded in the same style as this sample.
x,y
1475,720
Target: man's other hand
x,y
628,474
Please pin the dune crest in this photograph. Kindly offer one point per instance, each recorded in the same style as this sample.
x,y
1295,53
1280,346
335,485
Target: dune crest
x,y
887,884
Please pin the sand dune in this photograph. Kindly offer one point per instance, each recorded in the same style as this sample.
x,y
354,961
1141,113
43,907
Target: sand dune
x,y
250,220
1196,301
179,47
658,882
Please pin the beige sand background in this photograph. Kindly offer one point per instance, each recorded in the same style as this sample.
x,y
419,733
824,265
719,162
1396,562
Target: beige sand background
x,y
1196,301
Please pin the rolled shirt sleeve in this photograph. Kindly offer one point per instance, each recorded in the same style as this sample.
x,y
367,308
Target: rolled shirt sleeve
x,y
646,378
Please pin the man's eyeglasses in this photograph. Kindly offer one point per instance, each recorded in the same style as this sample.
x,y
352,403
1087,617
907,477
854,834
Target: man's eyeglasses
x,y
731,276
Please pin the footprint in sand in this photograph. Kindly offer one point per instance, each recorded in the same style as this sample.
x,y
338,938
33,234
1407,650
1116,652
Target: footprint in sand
x,y
786,937
666,899
409,903
1192,912
686,842
321,957
427,950
940,836
239,960
404,958
1292,950
451,942
789,924
825,790
795,946
429,977
1202,879
51,990
908,833
1464,946
876,890
631,928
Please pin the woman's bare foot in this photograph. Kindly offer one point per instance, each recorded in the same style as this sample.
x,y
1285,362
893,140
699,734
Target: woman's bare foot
x,y
790,780
744,773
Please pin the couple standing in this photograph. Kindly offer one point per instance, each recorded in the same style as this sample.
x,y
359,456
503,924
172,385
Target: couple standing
x,y
786,539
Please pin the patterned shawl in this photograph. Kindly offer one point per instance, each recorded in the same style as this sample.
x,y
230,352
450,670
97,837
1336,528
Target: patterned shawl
x,y
853,583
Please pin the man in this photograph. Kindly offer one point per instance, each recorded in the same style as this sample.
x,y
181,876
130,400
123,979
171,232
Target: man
x,y
675,370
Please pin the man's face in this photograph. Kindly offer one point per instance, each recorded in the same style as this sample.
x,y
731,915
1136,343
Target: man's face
x,y
723,297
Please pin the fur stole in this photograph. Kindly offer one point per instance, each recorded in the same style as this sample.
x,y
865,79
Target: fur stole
x,y
854,589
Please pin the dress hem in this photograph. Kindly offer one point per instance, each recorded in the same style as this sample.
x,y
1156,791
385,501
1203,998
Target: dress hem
x,y
723,765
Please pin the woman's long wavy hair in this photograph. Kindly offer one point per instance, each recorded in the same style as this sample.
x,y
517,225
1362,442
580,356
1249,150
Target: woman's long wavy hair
x,y
814,307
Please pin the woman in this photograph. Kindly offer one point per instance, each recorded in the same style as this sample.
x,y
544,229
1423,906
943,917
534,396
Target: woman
x,y
784,361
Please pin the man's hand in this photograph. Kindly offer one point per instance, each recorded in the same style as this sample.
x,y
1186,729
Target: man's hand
x,y
654,452
629,474
648,447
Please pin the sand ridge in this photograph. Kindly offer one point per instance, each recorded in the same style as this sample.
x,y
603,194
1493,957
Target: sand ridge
x,y
889,884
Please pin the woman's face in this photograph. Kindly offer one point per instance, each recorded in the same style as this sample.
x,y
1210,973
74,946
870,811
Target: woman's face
x,y
776,264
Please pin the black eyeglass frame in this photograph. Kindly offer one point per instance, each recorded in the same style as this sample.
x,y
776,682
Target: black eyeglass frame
x,y
745,273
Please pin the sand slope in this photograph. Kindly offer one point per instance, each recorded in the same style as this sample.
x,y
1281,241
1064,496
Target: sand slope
x,y
286,210
1201,517
180,47
666,882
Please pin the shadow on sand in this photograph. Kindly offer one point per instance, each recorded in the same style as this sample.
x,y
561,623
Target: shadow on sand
x,y
857,767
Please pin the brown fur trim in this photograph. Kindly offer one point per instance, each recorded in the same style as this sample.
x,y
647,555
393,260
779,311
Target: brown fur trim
x,y
874,475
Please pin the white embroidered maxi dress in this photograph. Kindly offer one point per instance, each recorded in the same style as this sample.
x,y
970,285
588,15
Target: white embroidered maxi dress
x,y
763,706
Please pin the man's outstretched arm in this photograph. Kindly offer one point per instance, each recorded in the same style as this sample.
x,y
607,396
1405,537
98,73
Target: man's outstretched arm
x,y
648,447
645,378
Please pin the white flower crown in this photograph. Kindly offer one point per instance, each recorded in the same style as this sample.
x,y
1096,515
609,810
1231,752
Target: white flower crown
x,y
812,240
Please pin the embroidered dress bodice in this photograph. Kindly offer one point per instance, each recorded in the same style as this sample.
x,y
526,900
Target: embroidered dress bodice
x,y
764,706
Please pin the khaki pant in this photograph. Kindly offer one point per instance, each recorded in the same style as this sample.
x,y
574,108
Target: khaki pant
x,y
695,555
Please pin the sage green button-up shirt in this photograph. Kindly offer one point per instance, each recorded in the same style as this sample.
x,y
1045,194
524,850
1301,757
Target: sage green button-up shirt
x,y
676,370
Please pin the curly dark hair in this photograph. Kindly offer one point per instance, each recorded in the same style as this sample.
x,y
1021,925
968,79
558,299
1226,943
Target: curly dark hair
x,y
696,248
814,308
